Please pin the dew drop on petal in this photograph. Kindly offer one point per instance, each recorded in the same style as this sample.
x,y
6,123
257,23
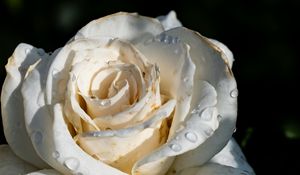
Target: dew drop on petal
x,y
54,72
206,115
190,136
27,51
73,77
72,164
234,93
105,102
37,137
219,117
55,154
234,130
41,52
185,79
208,132
175,147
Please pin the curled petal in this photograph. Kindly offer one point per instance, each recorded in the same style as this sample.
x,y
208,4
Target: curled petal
x,y
126,26
230,160
13,120
212,67
198,128
50,136
174,61
11,164
227,53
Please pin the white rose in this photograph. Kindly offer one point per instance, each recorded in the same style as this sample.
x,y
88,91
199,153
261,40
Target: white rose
x,y
127,94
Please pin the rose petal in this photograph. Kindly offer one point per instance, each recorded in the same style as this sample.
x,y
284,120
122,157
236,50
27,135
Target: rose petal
x,y
129,144
126,26
157,116
230,160
49,134
11,164
212,169
13,120
197,129
169,21
211,66
174,61
45,172
227,53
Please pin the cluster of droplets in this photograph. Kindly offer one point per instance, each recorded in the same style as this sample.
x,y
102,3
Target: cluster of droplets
x,y
70,163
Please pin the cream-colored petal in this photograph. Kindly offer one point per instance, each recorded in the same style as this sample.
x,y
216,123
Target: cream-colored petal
x,y
13,120
122,152
11,164
173,58
53,142
71,54
232,155
49,133
230,160
157,116
211,66
195,131
211,169
45,172
169,21
227,53
126,26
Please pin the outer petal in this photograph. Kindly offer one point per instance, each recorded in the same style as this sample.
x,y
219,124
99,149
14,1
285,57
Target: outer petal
x,y
45,172
169,21
13,120
126,26
211,65
11,164
227,53
48,132
229,161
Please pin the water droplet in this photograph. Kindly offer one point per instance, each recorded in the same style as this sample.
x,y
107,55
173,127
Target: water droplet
x,y
177,138
37,137
72,163
55,155
219,117
27,51
175,147
234,93
186,79
176,51
105,102
40,99
167,39
190,136
234,130
208,132
73,77
41,52
206,114
54,72
175,40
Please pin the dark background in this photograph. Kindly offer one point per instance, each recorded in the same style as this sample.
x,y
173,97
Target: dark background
x,y
263,35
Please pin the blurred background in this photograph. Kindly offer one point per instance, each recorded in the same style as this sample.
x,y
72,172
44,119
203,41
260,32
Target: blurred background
x,y
263,35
